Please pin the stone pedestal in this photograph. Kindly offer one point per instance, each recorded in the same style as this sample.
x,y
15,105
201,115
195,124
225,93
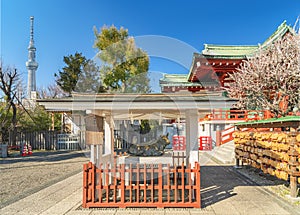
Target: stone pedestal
x,y
3,150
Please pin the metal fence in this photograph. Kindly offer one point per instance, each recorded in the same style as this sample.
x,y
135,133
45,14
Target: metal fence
x,y
46,140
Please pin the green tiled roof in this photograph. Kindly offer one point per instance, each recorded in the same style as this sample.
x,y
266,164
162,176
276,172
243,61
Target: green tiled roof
x,y
170,80
274,122
212,51
242,51
224,51
281,30
176,80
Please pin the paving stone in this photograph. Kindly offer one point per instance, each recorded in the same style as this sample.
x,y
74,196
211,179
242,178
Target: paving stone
x,y
103,212
224,208
80,212
128,211
244,207
271,207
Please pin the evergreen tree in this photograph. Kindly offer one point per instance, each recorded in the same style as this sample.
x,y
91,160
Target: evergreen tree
x,y
124,66
89,79
68,77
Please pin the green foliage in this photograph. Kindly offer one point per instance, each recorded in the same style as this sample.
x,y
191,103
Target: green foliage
x,y
57,121
68,77
89,79
38,119
109,36
145,127
125,66
35,120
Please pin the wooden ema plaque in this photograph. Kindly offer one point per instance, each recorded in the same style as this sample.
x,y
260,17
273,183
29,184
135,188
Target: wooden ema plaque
x,y
93,138
94,130
94,123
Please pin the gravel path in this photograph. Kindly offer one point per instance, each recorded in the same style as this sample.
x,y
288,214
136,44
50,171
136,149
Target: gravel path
x,y
22,176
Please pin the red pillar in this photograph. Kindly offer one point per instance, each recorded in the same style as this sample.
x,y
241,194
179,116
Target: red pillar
x,y
218,136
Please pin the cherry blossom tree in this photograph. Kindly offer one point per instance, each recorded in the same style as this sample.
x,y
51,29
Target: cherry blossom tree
x,y
270,79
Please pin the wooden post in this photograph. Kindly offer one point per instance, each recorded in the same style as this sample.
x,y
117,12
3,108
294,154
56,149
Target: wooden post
x,y
52,121
237,163
293,163
62,128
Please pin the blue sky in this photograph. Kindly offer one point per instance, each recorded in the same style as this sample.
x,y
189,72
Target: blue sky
x,y
63,27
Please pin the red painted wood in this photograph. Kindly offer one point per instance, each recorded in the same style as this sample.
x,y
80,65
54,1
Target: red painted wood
x,y
160,188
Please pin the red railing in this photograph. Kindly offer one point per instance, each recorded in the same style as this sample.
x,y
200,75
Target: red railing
x,y
179,142
137,185
205,143
243,115
226,135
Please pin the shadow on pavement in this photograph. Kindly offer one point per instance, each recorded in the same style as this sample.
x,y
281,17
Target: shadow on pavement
x,y
47,156
218,183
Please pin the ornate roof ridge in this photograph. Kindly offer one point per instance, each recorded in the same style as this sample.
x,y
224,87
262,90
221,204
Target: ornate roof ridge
x,y
280,31
229,46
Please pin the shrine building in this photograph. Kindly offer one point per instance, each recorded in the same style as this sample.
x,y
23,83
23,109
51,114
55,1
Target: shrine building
x,y
210,69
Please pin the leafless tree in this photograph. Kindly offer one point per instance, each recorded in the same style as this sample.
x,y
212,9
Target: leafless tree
x,y
9,83
51,91
271,78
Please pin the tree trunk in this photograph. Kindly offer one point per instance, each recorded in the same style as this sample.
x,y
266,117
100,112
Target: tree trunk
x,y
123,87
14,123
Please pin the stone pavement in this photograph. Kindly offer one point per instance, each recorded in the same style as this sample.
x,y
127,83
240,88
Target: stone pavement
x,y
223,191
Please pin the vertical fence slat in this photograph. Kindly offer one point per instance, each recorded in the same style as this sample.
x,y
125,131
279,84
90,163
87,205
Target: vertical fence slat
x,y
107,182
182,182
145,183
152,183
90,176
138,183
190,183
85,173
115,183
130,183
168,184
100,182
93,187
198,197
123,190
160,184
175,183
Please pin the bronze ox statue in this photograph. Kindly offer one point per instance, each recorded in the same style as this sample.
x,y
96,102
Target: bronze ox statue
x,y
151,148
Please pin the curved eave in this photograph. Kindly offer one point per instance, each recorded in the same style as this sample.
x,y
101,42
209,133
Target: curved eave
x,y
238,57
149,102
177,84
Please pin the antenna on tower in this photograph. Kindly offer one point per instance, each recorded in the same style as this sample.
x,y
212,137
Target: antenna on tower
x,y
31,27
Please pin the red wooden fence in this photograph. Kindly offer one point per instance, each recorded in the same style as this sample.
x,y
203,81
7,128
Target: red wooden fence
x,y
241,115
141,185
179,143
205,143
